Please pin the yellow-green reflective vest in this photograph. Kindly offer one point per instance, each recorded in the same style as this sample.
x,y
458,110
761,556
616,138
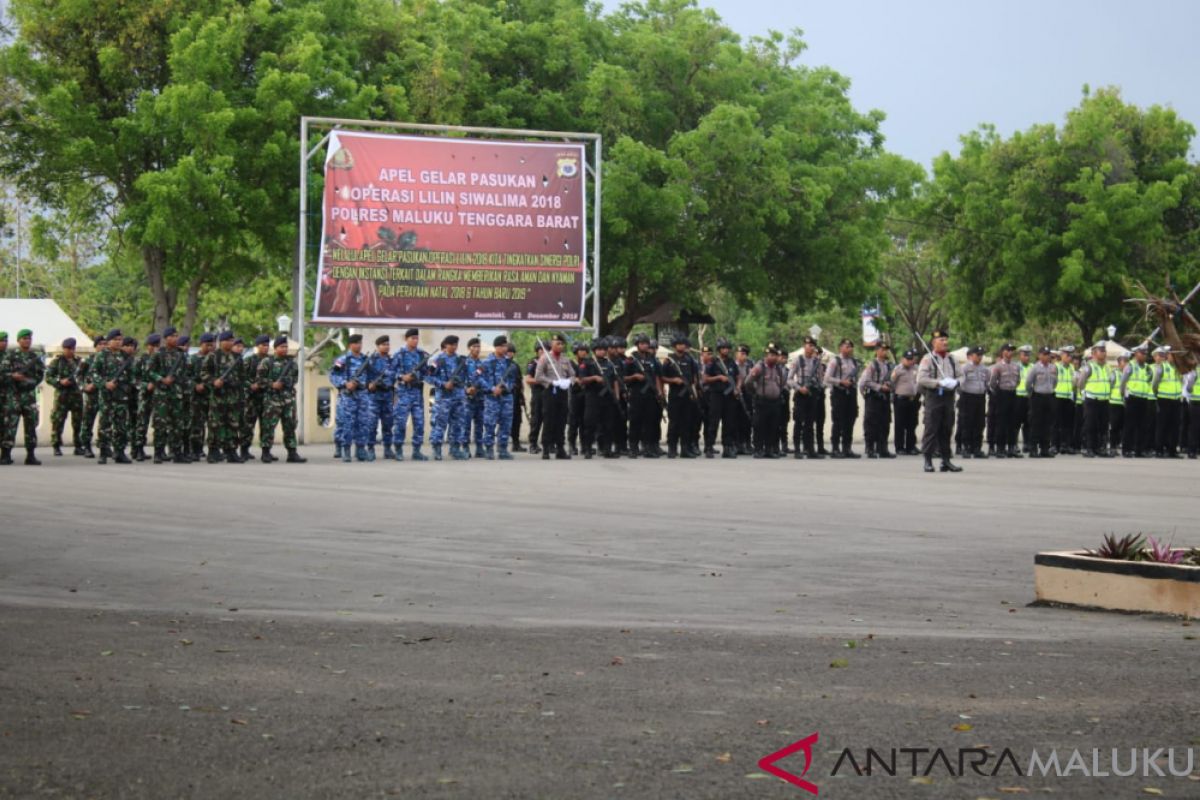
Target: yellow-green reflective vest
x,y
1022,389
1115,398
1099,383
1063,390
1169,385
1139,381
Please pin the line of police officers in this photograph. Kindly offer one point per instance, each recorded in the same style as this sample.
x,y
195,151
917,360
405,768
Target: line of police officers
x,y
213,397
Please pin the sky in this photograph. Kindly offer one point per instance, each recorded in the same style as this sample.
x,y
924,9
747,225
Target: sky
x,y
939,68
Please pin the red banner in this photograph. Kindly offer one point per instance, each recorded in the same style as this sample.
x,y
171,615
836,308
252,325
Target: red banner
x,y
452,232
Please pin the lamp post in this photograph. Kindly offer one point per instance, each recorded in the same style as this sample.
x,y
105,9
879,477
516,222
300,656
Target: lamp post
x,y
285,323
1112,331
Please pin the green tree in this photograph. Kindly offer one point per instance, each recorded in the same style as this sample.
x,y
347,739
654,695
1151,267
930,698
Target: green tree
x,y
1055,224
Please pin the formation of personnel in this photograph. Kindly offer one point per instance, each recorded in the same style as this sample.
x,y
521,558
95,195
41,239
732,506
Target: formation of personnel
x,y
213,397
604,401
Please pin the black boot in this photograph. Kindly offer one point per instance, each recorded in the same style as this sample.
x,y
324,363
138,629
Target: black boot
x,y
672,451
950,466
138,453
837,452
871,452
30,458
850,454
5,456
884,452
233,457
119,456
561,454
246,453
294,457
181,457
104,453
213,456
266,456
929,463
158,454
80,450
58,450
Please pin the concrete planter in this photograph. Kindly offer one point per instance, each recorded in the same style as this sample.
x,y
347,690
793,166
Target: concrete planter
x,y
1076,579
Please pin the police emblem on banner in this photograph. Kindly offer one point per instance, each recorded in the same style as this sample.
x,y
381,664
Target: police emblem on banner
x,y
568,167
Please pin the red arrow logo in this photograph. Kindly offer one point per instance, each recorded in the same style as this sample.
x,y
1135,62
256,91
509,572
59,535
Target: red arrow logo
x,y
805,745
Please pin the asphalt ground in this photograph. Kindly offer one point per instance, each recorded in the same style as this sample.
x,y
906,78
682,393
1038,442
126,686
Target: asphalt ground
x,y
636,629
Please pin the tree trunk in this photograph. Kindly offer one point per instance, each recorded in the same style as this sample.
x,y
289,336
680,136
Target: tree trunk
x,y
192,303
154,263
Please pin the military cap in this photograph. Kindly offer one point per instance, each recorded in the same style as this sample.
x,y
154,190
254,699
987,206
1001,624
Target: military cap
x,y
115,333
881,345
580,346
1007,346
154,338
723,344
129,341
183,340
354,338
3,336
279,340
1067,348
24,332
558,337
499,340
474,340
227,336
910,354
263,338
1045,350
810,340
844,342
1099,346
169,331
411,332
1158,351
1025,348
68,344
600,344
683,340
706,348
239,340
96,342
207,337
744,348
1141,348
538,346
384,339
640,338
449,339
976,351
940,333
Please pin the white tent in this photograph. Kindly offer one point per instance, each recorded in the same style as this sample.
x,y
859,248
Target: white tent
x,y
49,323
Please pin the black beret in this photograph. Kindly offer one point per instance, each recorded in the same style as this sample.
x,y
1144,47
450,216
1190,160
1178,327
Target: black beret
x,y
641,337
451,339
262,338
207,337
183,340
169,331
600,344
115,333
355,338
723,344
239,340
99,340
474,340
385,339
681,340
153,338
68,344
499,340
129,341
411,332
280,340
225,336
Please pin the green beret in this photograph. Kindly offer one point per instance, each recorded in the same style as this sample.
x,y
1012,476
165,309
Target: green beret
x,y
21,334
3,336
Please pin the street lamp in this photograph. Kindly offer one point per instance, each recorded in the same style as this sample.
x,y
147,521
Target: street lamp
x,y
815,331
1112,331
285,323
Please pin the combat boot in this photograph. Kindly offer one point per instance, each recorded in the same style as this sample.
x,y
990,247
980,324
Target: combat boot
x,y
119,456
346,457
545,454
233,456
437,453
1013,452
710,452
360,453
370,452
104,453
294,457
246,453
30,458
461,453
266,456
562,455
850,454
138,453
884,452
397,454
929,462
871,452
950,466
837,452
672,451
80,451
417,455
731,452
490,454
388,453
88,452
158,453
517,447
58,450
504,454
480,452
181,458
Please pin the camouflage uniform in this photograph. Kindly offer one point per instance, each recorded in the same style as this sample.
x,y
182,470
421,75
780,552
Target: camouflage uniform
x,y
279,405
113,367
382,375
353,410
255,401
475,408
67,399
4,384
451,409
171,423
21,401
91,403
223,432
143,408
410,400
497,411
198,399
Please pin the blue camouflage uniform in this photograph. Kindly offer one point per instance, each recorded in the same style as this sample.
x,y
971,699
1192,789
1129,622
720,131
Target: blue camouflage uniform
x,y
410,398
353,408
450,410
475,422
497,411
381,372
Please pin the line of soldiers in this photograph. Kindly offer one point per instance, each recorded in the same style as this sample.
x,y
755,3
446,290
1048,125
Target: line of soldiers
x,y
212,397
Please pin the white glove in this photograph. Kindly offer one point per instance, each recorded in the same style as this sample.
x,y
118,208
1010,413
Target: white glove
x,y
948,383
563,383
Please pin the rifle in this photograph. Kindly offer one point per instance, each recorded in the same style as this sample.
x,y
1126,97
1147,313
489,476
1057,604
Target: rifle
x,y
376,385
124,365
175,369
287,377
27,382
606,389
690,384
730,386
649,386
228,370
358,374
416,371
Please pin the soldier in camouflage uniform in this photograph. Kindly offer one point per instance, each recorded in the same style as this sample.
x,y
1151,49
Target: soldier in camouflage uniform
x,y
474,407
24,370
168,370
498,379
256,393
242,392
200,395
221,373
91,397
144,391
64,375
277,374
111,372
4,382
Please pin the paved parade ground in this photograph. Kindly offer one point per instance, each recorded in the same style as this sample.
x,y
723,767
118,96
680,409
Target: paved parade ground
x,y
585,629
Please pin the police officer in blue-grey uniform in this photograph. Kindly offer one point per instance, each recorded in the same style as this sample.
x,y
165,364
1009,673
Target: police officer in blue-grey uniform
x,y
380,377
448,373
475,423
408,366
498,380
348,376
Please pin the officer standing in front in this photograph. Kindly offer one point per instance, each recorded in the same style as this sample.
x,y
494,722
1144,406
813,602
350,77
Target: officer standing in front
x,y
841,377
1095,383
938,377
1042,381
1003,382
63,374
876,387
907,403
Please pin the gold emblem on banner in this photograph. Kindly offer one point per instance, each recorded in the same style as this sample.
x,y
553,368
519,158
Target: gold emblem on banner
x,y
568,167
342,159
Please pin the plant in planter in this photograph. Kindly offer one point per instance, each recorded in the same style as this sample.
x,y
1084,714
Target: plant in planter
x,y
1127,548
1163,553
